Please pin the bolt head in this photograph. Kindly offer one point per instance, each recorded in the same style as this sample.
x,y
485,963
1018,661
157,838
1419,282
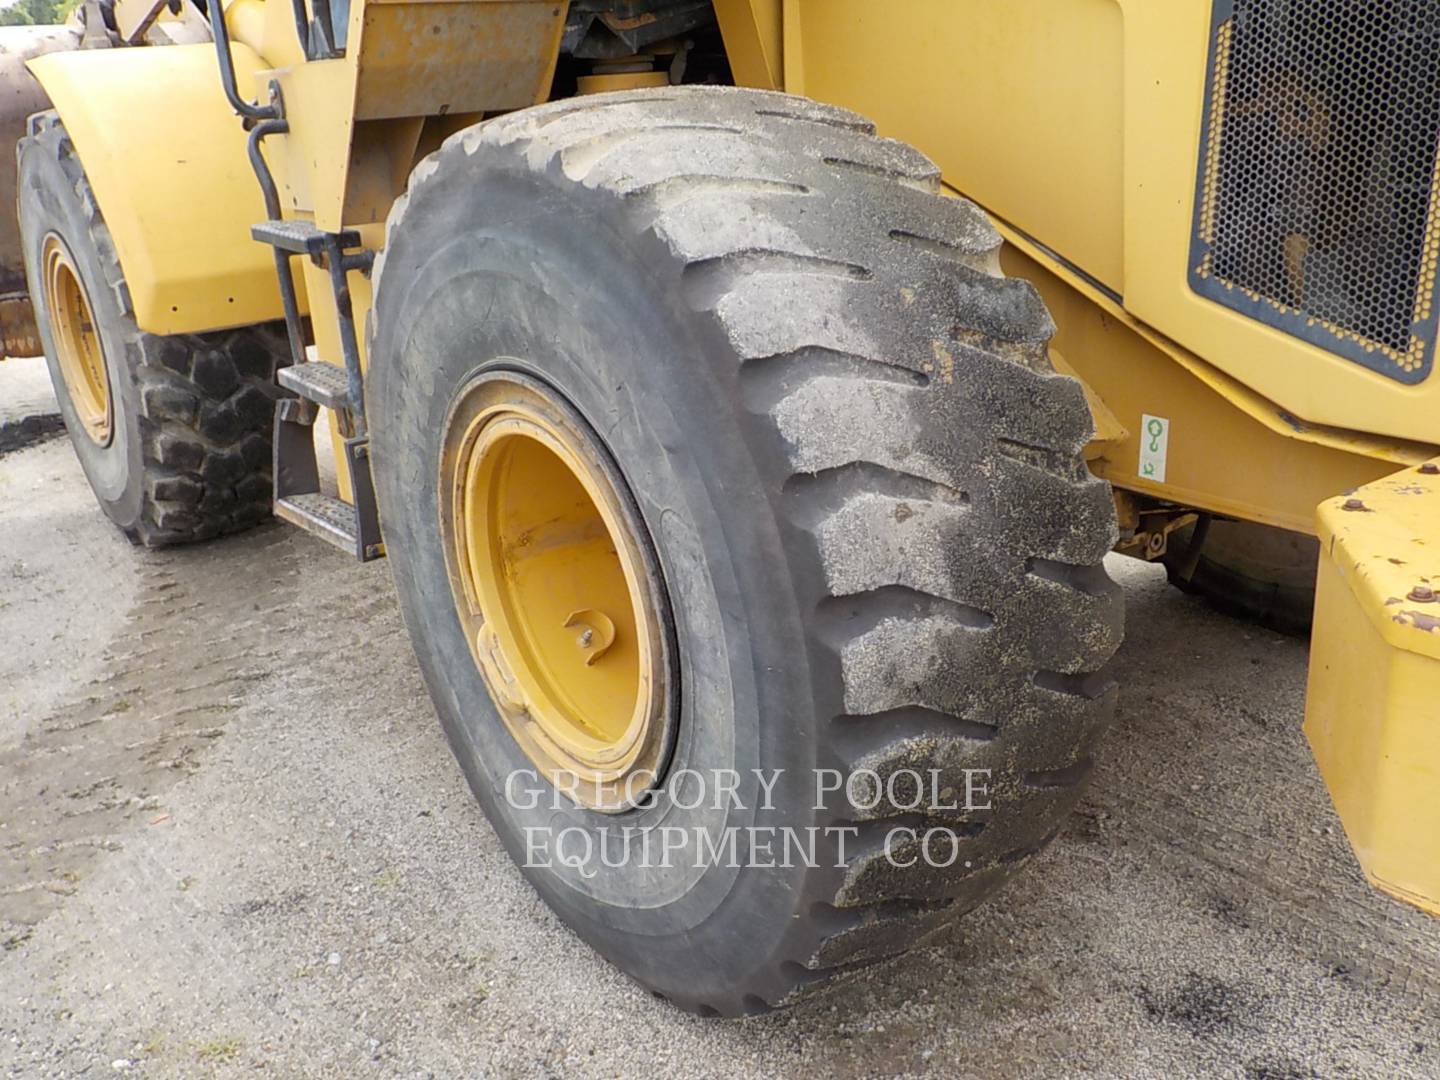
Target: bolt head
x,y
1430,468
1422,594
1354,504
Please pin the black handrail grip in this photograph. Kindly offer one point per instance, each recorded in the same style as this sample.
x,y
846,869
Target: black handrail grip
x,y
302,27
248,109
293,328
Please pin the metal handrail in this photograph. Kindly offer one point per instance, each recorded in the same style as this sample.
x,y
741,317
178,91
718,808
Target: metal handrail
x,y
250,110
288,298
302,27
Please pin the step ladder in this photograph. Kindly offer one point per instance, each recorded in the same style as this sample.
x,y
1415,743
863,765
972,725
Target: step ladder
x,y
354,526
317,384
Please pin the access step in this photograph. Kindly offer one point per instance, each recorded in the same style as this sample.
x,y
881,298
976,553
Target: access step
x,y
302,237
351,526
329,518
327,385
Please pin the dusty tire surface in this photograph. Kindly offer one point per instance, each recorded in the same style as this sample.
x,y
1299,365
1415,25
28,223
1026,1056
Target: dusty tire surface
x,y
862,479
190,453
1253,572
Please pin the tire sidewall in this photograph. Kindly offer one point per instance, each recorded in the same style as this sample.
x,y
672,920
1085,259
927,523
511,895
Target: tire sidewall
x,y
48,203
491,272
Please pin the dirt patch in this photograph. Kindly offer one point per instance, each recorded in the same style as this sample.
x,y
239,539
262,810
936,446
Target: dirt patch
x,y
101,760
18,434
305,886
1202,1006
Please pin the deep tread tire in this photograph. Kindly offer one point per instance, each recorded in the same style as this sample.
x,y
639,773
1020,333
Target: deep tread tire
x,y
191,453
1254,572
862,477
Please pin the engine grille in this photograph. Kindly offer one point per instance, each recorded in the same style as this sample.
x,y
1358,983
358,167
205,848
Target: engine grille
x,y
1317,210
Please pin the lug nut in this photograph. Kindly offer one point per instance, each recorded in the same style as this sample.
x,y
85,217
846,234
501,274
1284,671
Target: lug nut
x,y
1422,594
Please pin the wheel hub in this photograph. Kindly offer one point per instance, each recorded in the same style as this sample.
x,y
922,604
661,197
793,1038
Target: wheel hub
x,y
77,342
557,588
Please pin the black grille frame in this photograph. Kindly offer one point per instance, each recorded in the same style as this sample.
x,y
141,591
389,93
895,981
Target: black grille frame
x,y
1317,211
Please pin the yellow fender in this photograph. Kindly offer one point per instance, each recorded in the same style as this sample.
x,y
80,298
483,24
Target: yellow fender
x,y
166,158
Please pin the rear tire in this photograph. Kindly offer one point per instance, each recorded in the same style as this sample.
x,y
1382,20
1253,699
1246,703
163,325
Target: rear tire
x,y
187,452
860,475
1253,572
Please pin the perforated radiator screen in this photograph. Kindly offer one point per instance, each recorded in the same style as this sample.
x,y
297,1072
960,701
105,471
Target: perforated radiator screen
x,y
1317,210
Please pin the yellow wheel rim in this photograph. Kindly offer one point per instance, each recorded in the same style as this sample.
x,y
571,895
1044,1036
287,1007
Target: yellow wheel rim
x,y
556,588
77,342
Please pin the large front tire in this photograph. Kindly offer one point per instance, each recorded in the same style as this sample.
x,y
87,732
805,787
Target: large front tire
x,y
861,481
173,433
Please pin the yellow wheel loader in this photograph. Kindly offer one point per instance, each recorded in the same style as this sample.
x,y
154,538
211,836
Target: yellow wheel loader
x,y
745,394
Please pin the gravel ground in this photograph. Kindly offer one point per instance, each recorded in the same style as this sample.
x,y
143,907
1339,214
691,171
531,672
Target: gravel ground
x,y
232,840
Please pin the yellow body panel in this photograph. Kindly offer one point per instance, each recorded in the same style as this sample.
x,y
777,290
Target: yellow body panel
x,y
356,121
1229,451
1381,537
166,158
267,28
1078,122
753,41
1165,83
1371,713
419,59
1019,104
312,161
605,84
